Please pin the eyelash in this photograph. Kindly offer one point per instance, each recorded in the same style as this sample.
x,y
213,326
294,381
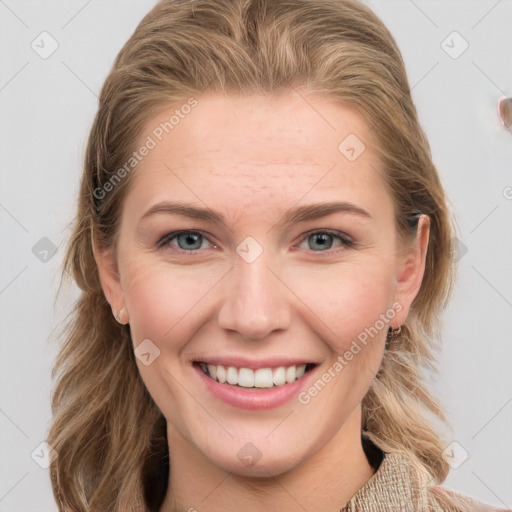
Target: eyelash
x,y
346,241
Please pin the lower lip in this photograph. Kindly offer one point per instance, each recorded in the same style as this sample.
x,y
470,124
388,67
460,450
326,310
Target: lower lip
x,y
254,398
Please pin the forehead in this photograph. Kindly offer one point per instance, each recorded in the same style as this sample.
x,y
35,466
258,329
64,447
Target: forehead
x,y
254,148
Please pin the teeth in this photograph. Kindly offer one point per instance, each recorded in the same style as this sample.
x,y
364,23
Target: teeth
x,y
232,375
248,378
279,376
212,370
221,374
263,378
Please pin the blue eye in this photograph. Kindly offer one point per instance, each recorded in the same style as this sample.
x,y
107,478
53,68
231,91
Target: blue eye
x,y
190,242
323,240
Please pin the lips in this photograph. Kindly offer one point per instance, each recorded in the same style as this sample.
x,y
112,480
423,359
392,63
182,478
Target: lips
x,y
253,375
264,393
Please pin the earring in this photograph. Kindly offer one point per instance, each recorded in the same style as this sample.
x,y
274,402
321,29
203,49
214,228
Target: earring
x,y
395,332
121,316
392,334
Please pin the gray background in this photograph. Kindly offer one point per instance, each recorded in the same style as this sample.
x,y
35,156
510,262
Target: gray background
x,y
46,109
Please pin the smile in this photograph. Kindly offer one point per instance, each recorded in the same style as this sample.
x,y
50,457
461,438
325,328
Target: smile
x,y
258,378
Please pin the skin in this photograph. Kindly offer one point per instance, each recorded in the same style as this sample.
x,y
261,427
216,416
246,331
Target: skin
x,y
251,159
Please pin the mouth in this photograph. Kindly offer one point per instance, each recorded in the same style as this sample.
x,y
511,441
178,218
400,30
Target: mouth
x,y
258,378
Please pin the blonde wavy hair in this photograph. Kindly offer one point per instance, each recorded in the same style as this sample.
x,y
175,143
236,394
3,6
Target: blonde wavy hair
x,y
109,434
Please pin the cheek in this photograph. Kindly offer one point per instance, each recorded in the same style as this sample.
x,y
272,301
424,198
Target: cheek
x,y
162,300
347,301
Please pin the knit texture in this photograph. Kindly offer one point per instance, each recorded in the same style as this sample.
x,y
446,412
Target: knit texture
x,y
397,487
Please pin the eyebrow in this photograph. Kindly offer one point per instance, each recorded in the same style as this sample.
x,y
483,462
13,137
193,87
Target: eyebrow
x,y
293,215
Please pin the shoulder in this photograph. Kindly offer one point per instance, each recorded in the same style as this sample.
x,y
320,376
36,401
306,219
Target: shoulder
x,y
450,500
401,485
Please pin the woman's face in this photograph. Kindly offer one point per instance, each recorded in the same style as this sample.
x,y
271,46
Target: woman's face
x,y
288,256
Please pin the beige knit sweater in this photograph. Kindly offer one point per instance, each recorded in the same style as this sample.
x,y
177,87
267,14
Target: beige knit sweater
x,y
396,487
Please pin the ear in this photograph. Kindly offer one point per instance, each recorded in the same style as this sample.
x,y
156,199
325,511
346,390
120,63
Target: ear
x,y
411,269
106,262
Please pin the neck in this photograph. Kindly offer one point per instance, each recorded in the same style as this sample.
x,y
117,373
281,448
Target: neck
x,y
324,482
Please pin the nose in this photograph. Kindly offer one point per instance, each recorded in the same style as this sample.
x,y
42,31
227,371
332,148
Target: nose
x,y
254,301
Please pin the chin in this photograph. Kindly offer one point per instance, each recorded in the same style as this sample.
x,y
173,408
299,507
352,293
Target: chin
x,y
255,455
261,465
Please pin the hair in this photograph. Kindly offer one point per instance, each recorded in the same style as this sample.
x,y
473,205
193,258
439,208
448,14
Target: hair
x,y
109,434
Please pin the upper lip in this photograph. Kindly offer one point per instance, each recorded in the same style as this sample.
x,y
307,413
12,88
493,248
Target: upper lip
x,y
242,362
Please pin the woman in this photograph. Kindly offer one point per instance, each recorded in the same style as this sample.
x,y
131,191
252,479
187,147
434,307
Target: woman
x,y
263,247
